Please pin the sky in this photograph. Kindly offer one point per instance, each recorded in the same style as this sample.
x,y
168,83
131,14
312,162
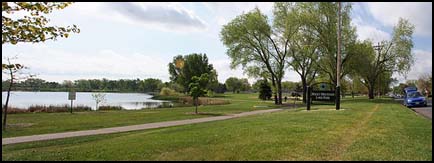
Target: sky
x,y
129,40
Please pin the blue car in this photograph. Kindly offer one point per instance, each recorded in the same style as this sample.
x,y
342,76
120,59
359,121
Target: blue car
x,y
414,98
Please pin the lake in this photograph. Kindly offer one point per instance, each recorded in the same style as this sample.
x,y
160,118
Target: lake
x,y
129,101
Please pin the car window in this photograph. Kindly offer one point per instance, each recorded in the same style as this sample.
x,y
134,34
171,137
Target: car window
x,y
414,94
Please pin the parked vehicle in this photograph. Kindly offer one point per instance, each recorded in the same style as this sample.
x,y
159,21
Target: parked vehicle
x,y
413,98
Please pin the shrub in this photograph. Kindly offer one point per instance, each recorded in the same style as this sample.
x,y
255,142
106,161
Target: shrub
x,y
110,108
203,101
167,92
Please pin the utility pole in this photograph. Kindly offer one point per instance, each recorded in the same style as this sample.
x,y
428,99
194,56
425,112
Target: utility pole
x,y
338,64
378,47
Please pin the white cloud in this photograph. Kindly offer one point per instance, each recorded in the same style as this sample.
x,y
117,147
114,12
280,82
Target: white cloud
x,y
419,14
166,17
161,14
365,31
422,64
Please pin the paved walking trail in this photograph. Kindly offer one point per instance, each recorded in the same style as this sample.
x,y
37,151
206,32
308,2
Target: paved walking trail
x,y
22,139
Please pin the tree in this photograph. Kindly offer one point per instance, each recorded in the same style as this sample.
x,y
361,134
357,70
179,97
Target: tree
x,y
183,68
233,84
197,87
252,42
424,83
392,56
264,90
98,97
322,17
151,85
33,27
302,41
14,72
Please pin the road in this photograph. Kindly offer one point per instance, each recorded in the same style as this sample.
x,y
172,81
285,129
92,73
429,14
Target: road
x,y
424,111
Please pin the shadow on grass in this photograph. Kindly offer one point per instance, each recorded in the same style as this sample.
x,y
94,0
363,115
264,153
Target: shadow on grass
x,y
376,101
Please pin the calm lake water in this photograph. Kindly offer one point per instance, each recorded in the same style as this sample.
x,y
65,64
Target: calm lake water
x,y
128,101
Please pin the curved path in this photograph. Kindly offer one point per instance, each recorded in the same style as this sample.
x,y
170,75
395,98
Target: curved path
x,y
22,139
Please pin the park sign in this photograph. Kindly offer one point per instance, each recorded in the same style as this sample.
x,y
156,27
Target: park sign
x,y
323,96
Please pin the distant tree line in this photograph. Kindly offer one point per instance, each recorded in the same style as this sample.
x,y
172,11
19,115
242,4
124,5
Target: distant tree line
x,y
90,85
106,85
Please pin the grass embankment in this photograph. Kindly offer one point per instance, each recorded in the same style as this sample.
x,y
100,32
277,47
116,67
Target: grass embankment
x,y
363,130
41,123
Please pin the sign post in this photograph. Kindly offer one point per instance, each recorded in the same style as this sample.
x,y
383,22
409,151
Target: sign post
x,y
71,96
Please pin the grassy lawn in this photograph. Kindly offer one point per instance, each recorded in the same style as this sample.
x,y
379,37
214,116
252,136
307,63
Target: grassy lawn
x,y
42,123
363,130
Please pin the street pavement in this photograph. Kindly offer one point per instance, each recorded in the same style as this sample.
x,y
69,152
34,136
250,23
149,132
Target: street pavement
x,y
424,111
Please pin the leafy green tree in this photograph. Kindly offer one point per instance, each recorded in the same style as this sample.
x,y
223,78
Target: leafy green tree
x,y
233,84
183,68
198,87
264,90
151,85
322,17
252,42
301,38
33,27
392,56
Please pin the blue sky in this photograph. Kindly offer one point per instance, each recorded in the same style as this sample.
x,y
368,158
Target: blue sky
x,y
138,40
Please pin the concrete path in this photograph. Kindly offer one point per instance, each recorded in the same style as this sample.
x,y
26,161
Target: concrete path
x,y
31,138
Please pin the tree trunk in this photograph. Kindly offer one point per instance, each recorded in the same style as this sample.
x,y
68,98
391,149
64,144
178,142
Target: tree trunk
x,y
195,103
7,101
371,91
279,91
303,81
273,82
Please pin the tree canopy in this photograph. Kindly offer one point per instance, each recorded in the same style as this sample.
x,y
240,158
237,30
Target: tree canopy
x,y
33,26
183,68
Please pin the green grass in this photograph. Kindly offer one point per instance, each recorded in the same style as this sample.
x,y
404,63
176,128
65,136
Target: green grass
x,y
363,130
41,123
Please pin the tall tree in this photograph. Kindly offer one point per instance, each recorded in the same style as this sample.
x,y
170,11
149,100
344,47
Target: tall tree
x,y
323,18
302,41
391,56
150,85
32,27
251,41
233,84
183,68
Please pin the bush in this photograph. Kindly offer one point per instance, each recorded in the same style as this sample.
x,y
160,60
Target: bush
x,y
210,93
167,92
203,101
110,108
54,109
47,109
